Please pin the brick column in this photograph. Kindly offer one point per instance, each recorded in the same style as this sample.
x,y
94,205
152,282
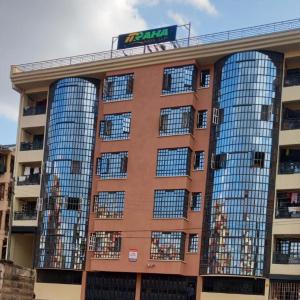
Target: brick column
x,y
138,286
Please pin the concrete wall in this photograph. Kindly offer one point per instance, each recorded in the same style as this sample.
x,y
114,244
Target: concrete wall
x,y
16,283
22,249
53,291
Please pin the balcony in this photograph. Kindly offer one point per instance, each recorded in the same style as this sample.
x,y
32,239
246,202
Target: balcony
x,y
288,205
32,179
280,258
291,167
292,77
286,251
32,111
289,160
27,146
25,215
291,123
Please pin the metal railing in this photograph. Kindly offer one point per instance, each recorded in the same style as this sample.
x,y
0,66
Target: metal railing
x,y
33,179
280,258
291,123
31,111
27,146
25,215
180,43
292,79
289,167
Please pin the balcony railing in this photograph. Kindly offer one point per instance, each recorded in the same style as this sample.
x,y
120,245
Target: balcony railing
x,y
280,258
289,167
291,80
25,215
181,43
33,179
27,146
289,124
38,110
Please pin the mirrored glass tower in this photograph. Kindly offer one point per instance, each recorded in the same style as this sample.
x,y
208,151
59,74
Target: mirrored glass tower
x,y
67,173
243,160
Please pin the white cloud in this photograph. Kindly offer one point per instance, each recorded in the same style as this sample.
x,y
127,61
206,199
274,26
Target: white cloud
x,y
179,19
204,5
49,29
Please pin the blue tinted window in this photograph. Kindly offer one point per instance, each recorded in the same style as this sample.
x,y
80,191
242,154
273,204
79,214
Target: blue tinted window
x,y
176,120
119,87
167,245
173,162
112,165
179,79
115,127
105,244
109,205
170,204
244,148
67,181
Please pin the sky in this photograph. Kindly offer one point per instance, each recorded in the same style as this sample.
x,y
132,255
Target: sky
x,y
34,30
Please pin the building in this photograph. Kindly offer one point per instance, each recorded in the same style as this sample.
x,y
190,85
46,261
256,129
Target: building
x,y
6,185
164,171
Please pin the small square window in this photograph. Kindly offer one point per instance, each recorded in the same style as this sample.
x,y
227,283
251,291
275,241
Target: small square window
x,y
219,161
73,203
75,167
204,78
199,160
193,243
266,112
202,119
258,160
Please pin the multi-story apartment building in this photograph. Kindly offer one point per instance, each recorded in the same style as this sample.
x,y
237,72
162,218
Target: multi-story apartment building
x,y
6,189
164,171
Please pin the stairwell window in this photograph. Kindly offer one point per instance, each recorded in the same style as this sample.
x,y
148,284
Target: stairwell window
x,y
258,159
266,112
218,161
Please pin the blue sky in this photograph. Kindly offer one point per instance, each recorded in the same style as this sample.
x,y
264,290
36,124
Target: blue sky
x,y
84,26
